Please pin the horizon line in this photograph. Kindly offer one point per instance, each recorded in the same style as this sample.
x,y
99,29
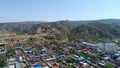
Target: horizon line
x,y
58,20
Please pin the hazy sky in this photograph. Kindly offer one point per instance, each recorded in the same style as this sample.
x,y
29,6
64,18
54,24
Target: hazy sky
x,y
52,10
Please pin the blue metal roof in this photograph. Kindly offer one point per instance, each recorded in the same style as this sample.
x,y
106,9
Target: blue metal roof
x,y
43,52
80,58
99,50
37,57
117,54
30,51
37,67
61,55
88,61
106,58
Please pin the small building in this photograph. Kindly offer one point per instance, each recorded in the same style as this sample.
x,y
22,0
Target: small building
x,y
2,44
46,67
85,65
11,66
30,52
117,55
106,58
108,47
20,59
36,57
87,61
55,66
37,66
43,51
19,47
77,58
61,55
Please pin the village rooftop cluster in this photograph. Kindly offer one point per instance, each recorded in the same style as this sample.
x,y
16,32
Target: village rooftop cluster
x,y
73,55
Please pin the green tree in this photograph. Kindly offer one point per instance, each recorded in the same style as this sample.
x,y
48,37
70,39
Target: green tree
x,y
82,54
20,33
10,52
70,66
3,63
54,42
94,59
70,60
109,65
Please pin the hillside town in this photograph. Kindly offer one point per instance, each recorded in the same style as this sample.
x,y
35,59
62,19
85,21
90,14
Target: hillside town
x,y
82,54
59,33
52,47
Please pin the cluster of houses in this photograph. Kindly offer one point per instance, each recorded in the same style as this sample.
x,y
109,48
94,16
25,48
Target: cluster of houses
x,y
82,54
34,57
78,55
103,52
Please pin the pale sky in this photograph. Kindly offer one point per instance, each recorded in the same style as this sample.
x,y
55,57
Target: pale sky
x,y
53,10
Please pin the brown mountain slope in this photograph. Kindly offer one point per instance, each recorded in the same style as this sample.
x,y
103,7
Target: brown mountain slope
x,y
96,29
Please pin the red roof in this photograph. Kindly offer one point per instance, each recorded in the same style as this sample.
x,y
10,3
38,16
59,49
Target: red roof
x,y
55,67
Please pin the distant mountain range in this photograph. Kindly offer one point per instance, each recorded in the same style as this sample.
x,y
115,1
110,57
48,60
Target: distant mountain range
x,y
96,29
100,28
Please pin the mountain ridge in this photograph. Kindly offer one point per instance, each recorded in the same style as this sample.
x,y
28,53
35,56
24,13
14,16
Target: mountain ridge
x,y
65,27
